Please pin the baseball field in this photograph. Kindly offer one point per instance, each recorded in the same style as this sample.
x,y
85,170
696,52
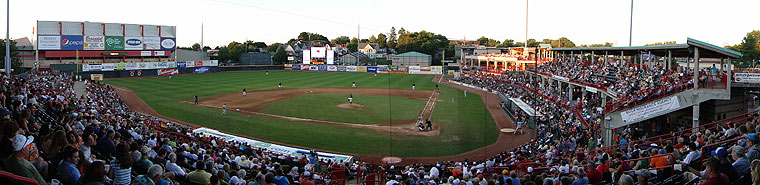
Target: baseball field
x,y
312,110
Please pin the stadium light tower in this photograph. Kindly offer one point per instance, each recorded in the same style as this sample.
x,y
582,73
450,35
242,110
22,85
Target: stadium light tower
x,y
526,23
630,32
7,37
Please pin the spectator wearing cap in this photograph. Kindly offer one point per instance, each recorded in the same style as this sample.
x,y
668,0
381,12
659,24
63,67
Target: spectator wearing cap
x,y
143,163
17,163
171,165
305,179
725,165
741,164
713,172
625,179
643,177
153,177
753,149
67,168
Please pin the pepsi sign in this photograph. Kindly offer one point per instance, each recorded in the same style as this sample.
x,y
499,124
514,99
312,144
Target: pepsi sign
x,y
71,42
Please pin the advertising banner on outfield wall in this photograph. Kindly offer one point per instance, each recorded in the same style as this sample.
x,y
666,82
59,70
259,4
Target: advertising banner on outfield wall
x,y
322,68
305,67
341,68
362,69
95,67
201,70
121,66
296,67
133,43
94,42
313,68
114,43
332,68
280,149
382,69
108,67
166,72
747,77
181,64
351,68
152,43
132,66
198,63
72,42
190,64
48,42
372,69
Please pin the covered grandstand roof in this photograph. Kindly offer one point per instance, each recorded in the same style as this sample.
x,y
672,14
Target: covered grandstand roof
x,y
707,50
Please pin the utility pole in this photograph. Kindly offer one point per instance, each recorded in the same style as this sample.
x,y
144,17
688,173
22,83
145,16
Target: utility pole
x,y
630,32
7,38
526,23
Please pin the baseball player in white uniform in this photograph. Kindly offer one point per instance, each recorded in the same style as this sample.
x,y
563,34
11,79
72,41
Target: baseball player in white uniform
x,y
353,84
224,109
244,93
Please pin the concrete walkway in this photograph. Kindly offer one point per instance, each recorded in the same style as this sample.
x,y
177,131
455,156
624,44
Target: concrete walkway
x,y
80,89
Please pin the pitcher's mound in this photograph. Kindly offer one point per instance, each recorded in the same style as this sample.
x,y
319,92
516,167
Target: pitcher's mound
x,y
351,106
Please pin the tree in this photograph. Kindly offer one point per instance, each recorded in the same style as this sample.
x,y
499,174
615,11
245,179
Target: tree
x,y
259,45
606,44
402,31
307,36
231,52
15,59
273,47
488,42
661,43
340,40
562,42
749,49
280,57
532,43
508,43
382,40
392,38
372,39
196,47
352,45
423,42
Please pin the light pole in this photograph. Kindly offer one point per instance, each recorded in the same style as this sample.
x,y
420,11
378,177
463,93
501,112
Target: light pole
x,y
7,38
630,31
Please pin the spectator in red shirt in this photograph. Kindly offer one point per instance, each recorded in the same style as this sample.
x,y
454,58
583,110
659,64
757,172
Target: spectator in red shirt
x,y
594,176
715,177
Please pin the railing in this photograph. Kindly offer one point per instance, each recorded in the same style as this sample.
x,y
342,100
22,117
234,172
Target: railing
x,y
672,157
621,103
712,81
709,147
571,80
16,178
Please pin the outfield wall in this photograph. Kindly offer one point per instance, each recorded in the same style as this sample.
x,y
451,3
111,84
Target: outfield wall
x,y
126,70
383,69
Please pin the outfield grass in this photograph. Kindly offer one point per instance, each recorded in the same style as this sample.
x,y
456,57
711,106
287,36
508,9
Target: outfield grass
x,y
403,108
465,120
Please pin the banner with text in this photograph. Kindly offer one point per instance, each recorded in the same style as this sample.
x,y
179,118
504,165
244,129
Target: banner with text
x,y
747,77
650,110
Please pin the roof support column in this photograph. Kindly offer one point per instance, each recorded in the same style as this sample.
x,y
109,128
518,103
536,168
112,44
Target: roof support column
x,y
572,56
669,61
606,58
592,57
649,58
695,78
729,80
641,60
606,128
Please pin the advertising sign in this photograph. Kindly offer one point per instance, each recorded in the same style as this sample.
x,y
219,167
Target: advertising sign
x,y
48,42
269,146
332,68
150,65
322,68
85,67
72,42
132,66
330,57
171,64
296,67
95,67
145,53
161,65
96,77
181,64
133,43
341,68
120,66
214,63
167,72
351,68
305,67
371,69
114,43
94,42
361,68
318,52
159,53
152,43
201,70
747,77
212,53
142,65
190,64
382,69
313,68
108,67
650,110
198,63
168,43
306,57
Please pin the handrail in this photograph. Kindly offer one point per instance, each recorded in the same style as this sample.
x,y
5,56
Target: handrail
x,y
672,157
17,178
703,148
704,84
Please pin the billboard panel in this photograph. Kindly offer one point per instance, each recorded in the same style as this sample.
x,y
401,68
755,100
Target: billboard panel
x,y
132,66
166,72
305,67
296,67
330,57
133,43
120,66
332,68
114,43
108,67
318,52
181,64
306,57
361,68
72,42
48,42
94,42
371,69
322,68
152,43
313,68
212,53
190,64
351,68
168,43
159,53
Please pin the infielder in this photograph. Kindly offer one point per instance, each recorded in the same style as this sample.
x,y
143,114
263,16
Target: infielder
x,y
267,73
279,86
353,84
224,109
350,99
196,99
413,86
244,93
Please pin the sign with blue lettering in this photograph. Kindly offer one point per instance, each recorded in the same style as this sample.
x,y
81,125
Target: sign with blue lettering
x,y
72,42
